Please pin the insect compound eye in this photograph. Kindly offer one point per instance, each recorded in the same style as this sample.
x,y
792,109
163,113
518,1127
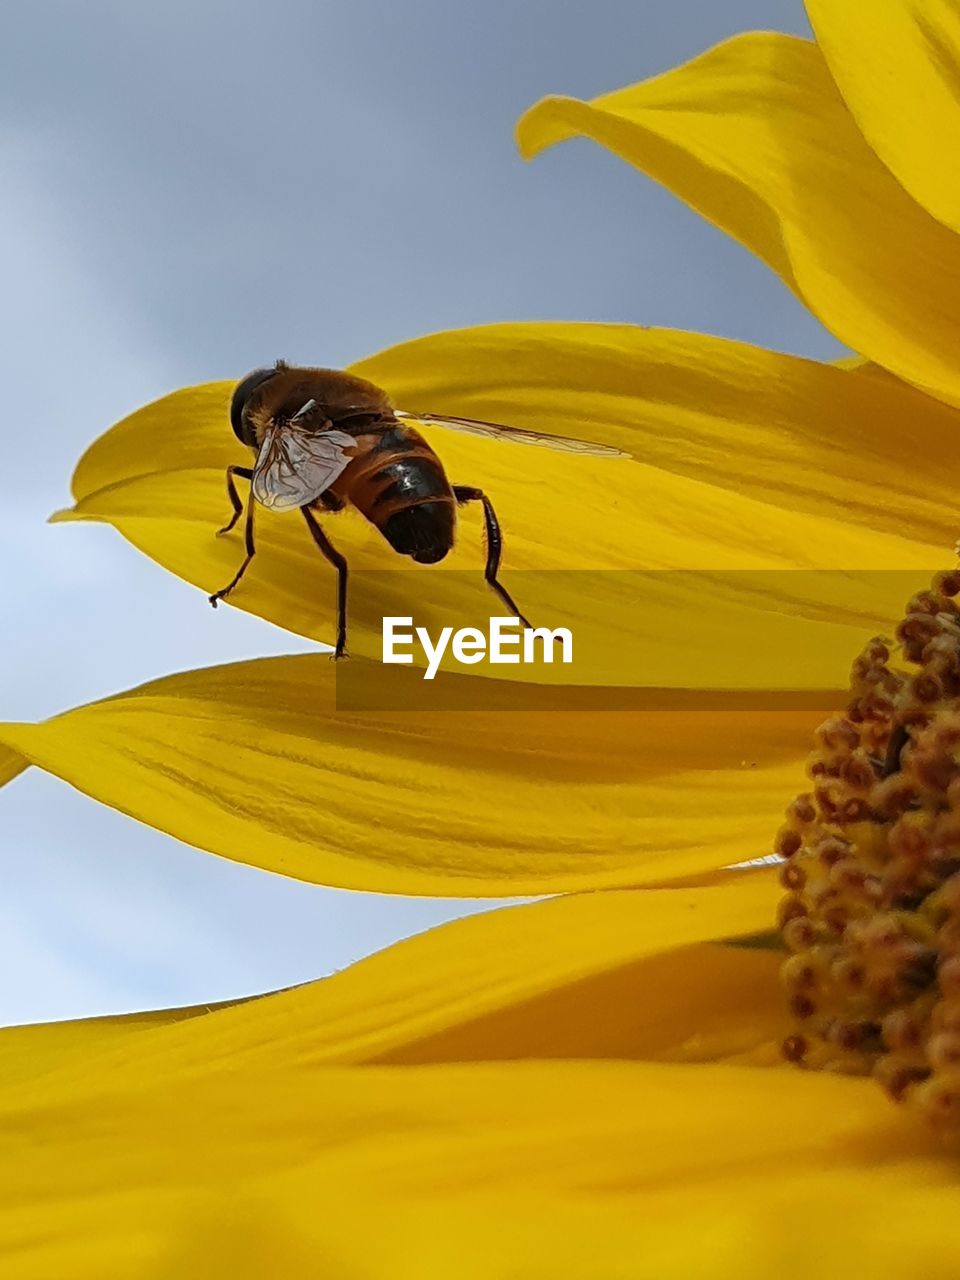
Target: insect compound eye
x,y
242,393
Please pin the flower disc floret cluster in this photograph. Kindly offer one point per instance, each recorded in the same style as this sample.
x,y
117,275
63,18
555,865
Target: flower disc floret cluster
x,y
872,866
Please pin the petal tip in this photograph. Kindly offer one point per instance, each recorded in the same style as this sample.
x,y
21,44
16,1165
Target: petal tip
x,y
63,516
540,126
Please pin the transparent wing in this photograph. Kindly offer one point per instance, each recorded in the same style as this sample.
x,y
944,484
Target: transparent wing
x,y
294,466
498,431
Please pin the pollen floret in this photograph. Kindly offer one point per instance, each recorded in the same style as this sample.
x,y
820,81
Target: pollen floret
x,y
872,871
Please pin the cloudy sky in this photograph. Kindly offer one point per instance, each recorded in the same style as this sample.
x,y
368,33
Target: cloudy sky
x,y
193,188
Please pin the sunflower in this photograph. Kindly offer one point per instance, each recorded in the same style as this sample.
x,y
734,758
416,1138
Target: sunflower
x,y
598,1084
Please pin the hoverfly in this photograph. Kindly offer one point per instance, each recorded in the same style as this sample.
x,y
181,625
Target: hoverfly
x,y
323,438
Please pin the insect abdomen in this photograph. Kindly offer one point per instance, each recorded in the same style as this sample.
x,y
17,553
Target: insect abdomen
x,y
424,532
401,487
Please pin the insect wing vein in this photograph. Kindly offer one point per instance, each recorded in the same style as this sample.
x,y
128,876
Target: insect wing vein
x,y
295,466
519,435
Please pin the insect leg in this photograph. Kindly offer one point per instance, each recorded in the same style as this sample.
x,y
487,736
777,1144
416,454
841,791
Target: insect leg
x,y
466,493
246,474
340,564
250,549
330,501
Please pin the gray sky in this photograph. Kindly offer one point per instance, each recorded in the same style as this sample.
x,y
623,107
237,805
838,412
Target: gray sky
x,y
193,189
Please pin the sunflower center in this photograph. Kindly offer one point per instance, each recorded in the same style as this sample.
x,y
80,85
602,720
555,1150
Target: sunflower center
x,y
872,866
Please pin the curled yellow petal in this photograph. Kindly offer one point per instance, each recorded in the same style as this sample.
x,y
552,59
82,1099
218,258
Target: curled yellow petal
x,y
755,135
748,463
255,762
897,64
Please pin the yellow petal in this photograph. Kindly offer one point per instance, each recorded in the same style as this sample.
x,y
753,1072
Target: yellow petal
x,y
28,1052
752,463
897,62
253,761
263,1162
755,136
11,764
548,980
625,973
204,1148
676,1016
806,438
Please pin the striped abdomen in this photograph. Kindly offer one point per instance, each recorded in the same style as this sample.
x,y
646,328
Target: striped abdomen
x,y
400,486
